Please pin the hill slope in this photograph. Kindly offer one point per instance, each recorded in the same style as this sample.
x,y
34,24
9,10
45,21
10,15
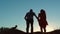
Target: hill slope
x,y
15,31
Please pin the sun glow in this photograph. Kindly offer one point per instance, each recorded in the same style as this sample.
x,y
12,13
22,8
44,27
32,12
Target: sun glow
x,y
48,29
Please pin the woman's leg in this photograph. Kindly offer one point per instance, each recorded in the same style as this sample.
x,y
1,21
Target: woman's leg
x,y
41,29
44,29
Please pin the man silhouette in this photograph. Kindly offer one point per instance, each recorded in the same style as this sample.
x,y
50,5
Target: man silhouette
x,y
29,20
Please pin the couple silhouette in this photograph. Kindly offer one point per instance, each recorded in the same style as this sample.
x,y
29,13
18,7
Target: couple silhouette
x,y
41,20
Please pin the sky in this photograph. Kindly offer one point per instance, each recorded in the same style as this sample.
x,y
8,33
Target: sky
x,y
12,13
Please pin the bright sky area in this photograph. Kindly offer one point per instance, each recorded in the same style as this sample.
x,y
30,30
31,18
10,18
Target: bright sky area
x,y
12,13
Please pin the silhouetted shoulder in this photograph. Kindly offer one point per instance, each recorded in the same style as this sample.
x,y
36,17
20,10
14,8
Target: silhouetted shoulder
x,y
34,13
27,13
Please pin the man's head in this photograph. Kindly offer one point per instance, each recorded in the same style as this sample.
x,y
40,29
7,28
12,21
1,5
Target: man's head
x,y
31,10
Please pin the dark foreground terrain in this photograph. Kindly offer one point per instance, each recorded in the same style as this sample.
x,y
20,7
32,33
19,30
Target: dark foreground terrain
x,y
13,30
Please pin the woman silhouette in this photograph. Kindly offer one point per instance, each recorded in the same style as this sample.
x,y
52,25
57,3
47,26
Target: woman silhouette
x,y
42,20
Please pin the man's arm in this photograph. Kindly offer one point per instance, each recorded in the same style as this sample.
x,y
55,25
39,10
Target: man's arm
x,y
35,15
25,17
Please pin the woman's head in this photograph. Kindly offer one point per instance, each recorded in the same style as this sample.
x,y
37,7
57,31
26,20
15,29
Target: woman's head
x,y
42,11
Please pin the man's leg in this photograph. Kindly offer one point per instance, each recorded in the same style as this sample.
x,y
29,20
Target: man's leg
x,y
32,27
27,28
